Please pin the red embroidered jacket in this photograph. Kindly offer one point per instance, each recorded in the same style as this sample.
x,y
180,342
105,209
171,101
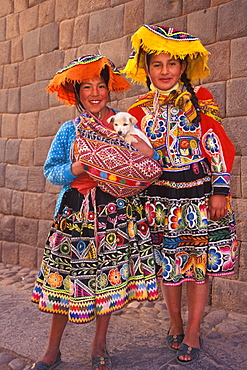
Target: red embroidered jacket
x,y
180,142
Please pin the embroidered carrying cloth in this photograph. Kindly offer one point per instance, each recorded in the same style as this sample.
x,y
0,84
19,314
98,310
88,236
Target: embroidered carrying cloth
x,y
118,168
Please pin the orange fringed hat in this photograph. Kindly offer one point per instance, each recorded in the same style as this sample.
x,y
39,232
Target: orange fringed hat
x,y
80,70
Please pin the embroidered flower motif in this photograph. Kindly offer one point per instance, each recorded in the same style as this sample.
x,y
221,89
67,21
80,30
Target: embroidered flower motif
x,y
227,257
203,213
92,284
184,143
120,203
214,260
131,229
167,268
143,228
163,262
63,224
102,280
150,213
114,277
156,131
55,280
111,238
68,285
193,144
212,143
150,262
111,207
125,271
81,245
189,273
129,212
52,239
191,217
120,240
90,216
186,125
160,214
65,248
66,212
175,218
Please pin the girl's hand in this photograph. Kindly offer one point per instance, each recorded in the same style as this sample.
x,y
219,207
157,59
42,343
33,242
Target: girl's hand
x,y
217,207
143,147
77,168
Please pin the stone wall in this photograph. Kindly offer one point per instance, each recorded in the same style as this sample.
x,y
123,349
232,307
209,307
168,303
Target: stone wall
x,y
39,37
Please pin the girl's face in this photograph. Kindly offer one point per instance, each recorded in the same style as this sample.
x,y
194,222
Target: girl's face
x,y
94,95
165,71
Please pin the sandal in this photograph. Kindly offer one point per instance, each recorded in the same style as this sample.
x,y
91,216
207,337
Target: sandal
x,y
101,361
173,339
43,366
184,349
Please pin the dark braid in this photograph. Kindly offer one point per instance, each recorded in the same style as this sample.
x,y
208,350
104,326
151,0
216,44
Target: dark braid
x,y
194,99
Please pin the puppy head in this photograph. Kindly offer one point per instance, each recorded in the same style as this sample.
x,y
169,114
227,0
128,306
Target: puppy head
x,y
122,122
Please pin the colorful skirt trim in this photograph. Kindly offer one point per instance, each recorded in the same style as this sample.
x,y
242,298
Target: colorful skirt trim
x,y
97,261
187,244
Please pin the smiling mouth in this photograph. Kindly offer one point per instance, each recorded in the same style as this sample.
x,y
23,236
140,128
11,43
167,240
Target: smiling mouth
x,y
94,101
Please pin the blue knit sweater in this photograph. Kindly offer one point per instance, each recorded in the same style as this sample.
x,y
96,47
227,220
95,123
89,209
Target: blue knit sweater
x,y
57,167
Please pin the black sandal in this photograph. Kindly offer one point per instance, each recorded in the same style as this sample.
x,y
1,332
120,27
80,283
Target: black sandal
x,y
174,339
44,366
194,354
101,361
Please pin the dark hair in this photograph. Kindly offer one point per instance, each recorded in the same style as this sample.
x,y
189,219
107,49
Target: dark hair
x,y
188,86
104,74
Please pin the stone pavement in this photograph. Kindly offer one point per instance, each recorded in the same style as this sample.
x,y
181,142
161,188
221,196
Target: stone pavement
x,y
136,336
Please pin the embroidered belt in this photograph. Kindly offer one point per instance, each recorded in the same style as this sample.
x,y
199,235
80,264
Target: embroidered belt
x,y
182,185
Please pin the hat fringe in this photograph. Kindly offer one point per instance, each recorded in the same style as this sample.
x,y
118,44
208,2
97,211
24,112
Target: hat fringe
x,y
63,81
146,40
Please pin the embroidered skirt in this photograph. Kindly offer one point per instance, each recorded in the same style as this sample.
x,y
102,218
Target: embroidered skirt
x,y
98,257
187,245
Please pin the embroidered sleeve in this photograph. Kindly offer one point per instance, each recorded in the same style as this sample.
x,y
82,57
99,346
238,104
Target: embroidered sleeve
x,y
211,109
216,145
57,167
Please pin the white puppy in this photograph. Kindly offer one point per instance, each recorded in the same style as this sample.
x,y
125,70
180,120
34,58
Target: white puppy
x,y
124,125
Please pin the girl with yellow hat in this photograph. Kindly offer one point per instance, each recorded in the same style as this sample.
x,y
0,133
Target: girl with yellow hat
x,y
188,209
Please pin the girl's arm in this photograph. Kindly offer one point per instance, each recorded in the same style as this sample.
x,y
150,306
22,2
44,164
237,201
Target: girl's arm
x,y
58,165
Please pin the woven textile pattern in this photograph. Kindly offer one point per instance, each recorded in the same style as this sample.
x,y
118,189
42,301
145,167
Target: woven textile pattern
x,y
119,169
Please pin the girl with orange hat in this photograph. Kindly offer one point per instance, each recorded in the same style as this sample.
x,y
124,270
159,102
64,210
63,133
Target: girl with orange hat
x,y
94,261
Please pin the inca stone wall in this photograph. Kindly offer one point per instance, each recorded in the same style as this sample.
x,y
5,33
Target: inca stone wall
x,y
39,37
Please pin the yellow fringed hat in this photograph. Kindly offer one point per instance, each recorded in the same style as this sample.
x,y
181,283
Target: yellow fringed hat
x,y
81,70
156,40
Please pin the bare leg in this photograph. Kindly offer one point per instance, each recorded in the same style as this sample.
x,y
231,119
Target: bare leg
x,y
99,341
197,295
172,295
58,324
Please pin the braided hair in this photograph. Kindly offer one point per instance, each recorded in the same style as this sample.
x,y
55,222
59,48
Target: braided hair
x,y
194,99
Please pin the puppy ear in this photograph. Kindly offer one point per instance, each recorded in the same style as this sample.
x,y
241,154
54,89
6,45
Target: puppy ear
x,y
133,120
111,119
